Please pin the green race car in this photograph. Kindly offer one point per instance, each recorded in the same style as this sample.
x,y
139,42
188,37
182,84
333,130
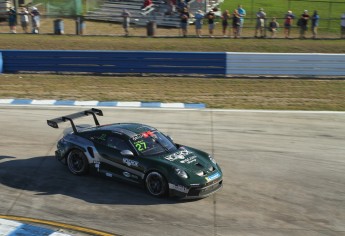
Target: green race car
x,y
139,154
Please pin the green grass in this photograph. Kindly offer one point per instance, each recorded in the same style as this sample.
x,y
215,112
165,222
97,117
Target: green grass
x,y
64,42
281,94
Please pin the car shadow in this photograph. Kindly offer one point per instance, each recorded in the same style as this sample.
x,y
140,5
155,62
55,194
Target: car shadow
x,y
46,176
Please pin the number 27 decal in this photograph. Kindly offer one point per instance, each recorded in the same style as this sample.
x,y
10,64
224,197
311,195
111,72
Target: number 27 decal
x,y
140,146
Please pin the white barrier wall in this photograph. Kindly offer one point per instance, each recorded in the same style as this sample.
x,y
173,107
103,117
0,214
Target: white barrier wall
x,y
294,64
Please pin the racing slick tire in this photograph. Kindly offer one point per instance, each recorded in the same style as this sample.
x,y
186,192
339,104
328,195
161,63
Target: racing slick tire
x,y
156,184
77,162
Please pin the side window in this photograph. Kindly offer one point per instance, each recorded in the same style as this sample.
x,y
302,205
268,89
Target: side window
x,y
116,143
100,138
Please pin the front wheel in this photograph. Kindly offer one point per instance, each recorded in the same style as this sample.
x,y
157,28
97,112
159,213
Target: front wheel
x,y
77,162
156,184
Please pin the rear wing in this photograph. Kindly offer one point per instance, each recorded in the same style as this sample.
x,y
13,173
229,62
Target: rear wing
x,y
54,122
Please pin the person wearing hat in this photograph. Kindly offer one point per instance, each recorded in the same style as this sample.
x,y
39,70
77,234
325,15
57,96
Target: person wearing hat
x,y
12,20
35,17
199,16
303,24
288,22
260,23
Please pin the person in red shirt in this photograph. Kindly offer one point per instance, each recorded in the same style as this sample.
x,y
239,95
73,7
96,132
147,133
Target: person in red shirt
x,y
289,17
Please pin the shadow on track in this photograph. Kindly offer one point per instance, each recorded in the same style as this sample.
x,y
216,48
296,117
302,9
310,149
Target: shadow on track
x,y
46,176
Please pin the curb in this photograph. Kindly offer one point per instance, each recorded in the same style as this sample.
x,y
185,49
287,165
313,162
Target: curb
x,y
102,104
10,227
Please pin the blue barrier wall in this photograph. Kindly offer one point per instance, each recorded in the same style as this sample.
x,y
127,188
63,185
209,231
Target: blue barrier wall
x,y
182,63
114,62
1,63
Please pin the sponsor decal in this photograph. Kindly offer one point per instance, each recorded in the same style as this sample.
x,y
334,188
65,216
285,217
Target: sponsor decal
x,y
213,177
126,174
181,155
129,175
179,188
189,160
129,162
108,174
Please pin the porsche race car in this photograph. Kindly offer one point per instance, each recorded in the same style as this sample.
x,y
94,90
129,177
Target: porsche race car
x,y
139,154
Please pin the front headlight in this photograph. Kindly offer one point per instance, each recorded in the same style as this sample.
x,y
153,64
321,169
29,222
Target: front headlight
x,y
181,173
212,159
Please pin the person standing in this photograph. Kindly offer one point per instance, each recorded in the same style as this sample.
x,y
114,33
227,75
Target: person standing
x,y
342,26
242,14
225,23
273,27
314,23
199,16
24,19
236,23
35,17
126,21
288,22
184,21
12,20
260,23
211,16
303,24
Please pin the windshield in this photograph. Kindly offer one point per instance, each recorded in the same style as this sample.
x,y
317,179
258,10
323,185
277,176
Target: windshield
x,y
152,143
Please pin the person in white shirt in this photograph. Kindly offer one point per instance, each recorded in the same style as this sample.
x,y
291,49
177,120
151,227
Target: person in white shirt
x,y
24,19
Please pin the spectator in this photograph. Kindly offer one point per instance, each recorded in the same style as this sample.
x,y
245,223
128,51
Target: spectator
x,y
24,19
35,14
147,3
126,21
289,17
342,25
236,23
314,23
211,16
184,21
260,23
199,16
242,14
12,20
303,24
273,27
225,23
182,5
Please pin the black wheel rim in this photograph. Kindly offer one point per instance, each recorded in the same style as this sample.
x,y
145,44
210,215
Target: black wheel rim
x,y
76,162
155,184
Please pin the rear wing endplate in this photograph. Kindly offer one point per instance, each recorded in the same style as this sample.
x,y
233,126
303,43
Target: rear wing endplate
x,y
54,122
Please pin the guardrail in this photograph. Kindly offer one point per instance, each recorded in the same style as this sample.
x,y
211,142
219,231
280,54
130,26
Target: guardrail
x,y
177,63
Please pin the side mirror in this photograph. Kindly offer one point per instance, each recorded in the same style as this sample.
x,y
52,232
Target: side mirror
x,y
127,153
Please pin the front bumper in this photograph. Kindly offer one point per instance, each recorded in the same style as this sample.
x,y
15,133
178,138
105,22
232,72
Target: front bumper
x,y
195,192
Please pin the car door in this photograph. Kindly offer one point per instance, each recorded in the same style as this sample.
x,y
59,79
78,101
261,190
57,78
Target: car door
x,y
113,163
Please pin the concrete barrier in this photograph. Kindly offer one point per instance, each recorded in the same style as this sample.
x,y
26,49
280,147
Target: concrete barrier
x,y
177,63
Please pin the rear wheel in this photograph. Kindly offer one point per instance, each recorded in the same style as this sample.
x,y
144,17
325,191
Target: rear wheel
x,y
156,184
77,162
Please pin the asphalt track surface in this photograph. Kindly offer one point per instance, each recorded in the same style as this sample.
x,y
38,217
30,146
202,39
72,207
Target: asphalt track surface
x,y
284,174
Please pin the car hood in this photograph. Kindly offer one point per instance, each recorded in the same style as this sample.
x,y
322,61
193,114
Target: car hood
x,y
190,160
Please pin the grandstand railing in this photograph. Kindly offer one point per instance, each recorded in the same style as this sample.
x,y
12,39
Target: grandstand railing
x,y
176,63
